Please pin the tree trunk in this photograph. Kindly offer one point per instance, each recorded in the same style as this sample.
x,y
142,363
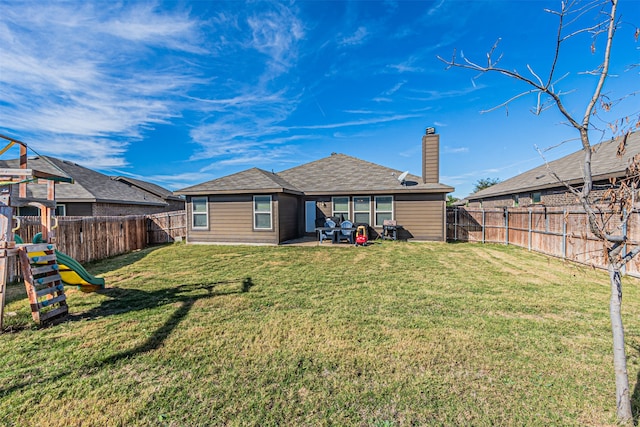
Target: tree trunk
x,y
623,400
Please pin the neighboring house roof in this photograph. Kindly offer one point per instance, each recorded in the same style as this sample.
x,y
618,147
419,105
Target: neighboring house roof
x,y
605,163
149,187
40,169
252,180
335,174
88,186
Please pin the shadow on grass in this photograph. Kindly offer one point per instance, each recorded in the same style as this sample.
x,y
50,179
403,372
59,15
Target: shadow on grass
x,y
183,294
117,261
16,291
126,300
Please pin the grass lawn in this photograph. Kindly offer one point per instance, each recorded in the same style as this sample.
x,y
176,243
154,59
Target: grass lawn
x,y
394,334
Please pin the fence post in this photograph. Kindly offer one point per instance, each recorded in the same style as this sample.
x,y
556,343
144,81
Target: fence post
x,y
455,224
169,228
564,234
483,226
506,226
530,228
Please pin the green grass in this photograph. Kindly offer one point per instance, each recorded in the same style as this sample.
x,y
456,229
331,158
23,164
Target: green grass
x,y
394,334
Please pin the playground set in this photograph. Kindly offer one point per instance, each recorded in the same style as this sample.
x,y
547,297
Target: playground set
x,y
44,269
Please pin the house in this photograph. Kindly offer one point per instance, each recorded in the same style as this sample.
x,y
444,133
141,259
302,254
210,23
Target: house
x,y
175,203
538,186
258,206
92,193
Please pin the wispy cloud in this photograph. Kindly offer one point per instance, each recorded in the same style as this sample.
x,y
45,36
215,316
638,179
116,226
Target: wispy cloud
x,y
394,89
434,95
276,33
455,150
244,114
99,81
358,37
72,73
407,66
435,8
363,122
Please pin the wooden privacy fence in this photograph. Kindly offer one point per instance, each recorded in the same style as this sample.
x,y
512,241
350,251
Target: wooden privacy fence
x,y
94,238
560,232
166,227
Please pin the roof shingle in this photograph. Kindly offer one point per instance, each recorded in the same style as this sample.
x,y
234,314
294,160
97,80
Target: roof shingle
x,y
605,163
249,181
88,186
335,174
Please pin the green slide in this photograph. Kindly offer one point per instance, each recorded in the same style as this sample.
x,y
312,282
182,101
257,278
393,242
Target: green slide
x,y
71,271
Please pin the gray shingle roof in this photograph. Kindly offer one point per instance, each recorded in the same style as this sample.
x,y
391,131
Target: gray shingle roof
x,y
340,173
335,174
149,187
89,185
605,163
41,165
252,180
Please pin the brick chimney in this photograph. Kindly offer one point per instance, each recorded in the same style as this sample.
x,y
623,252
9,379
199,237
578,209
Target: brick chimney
x,y
430,156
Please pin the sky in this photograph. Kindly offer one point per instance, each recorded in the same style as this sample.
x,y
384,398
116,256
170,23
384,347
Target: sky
x,y
182,92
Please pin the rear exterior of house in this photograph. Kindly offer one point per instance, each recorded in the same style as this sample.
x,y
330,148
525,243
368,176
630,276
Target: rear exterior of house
x,y
257,218
260,207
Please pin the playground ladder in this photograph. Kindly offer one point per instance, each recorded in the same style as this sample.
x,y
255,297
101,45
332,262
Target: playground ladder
x,y
42,281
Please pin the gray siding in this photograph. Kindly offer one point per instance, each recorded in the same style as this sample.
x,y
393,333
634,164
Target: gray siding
x,y
421,215
231,220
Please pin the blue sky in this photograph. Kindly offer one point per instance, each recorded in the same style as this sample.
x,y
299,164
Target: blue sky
x,y
182,92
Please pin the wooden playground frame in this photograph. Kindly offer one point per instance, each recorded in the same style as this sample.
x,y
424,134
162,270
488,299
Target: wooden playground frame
x,y
39,265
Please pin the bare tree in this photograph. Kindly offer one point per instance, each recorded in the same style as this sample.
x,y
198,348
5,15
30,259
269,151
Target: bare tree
x,y
622,194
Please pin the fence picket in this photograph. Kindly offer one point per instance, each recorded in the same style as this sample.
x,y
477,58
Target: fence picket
x,y
92,238
560,232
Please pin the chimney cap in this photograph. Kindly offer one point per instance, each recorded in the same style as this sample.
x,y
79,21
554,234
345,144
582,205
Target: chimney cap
x,y
430,130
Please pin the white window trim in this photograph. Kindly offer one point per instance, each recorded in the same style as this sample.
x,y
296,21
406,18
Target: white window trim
x,y
333,206
205,213
255,225
368,211
64,208
375,209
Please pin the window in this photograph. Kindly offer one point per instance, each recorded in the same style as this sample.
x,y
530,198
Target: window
x,y
340,207
262,212
516,200
61,210
384,209
28,211
536,197
199,212
362,209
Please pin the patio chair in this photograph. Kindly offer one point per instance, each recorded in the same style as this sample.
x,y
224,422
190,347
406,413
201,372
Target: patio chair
x,y
346,234
327,234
